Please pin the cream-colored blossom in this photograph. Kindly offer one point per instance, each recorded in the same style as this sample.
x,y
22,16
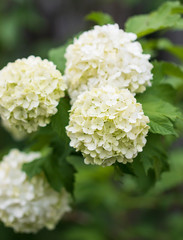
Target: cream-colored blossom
x,y
30,90
28,205
106,55
107,125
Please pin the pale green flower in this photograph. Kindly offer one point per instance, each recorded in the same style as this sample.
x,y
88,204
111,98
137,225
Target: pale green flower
x,y
107,125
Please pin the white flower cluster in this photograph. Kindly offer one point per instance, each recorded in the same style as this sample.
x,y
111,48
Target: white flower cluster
x,y
106,55
107,125
28,205
30,91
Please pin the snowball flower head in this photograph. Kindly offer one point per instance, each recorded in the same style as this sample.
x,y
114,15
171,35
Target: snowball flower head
x,y
28,205
30,92
106,55
107,125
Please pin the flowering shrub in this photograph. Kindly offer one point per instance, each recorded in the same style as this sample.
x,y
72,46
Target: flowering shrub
x,y
107,125
126,112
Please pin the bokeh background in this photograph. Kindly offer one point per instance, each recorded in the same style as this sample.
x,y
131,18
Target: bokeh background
x,y
34,26
105,208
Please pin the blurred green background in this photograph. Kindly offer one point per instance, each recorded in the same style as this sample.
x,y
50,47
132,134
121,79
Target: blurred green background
x,y
106,207
34,26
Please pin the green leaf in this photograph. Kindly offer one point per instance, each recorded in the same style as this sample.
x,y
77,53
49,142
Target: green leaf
x,y
34,168
179,25
165,44
59,173
172,69
176,50
56,55
67,174
61,119
173,75
159,125
167,78
124,168
40,139
54,134
147,167
53,173
162,115
154,155
57,170
144,181
174,176
165,17
158,74
175,82
100,18
151,46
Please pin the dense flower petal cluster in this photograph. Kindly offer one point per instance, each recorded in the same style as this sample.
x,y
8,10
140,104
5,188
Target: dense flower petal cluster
x,y
107,125
106,55
28,205
30,91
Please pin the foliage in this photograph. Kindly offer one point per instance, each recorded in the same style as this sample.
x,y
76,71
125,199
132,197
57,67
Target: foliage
x,y
173,177
54,164
106,196
57,56
158,103
162,115
100,18
167,16
152,46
